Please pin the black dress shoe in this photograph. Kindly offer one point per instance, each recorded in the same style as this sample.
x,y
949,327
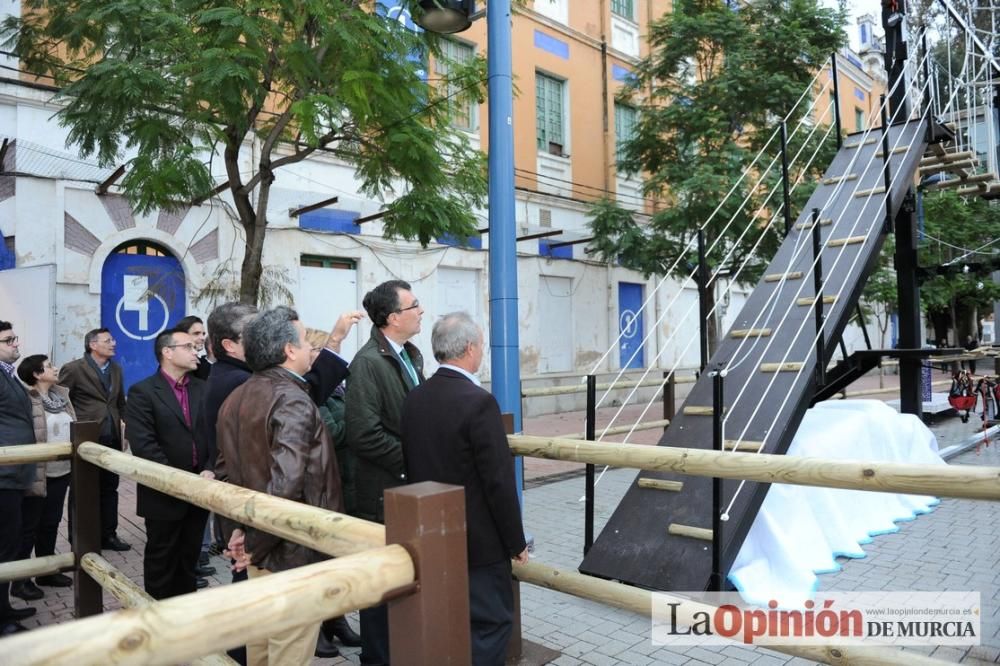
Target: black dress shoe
x,y
9,628
203,558
202,570
339,627
325,649
25,589
55,580
15,614
201,583
114,543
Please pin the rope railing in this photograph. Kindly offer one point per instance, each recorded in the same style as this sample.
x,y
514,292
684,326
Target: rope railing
x,y
792,304
733,279
691,242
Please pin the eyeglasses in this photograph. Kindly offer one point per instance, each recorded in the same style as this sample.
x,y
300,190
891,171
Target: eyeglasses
x,y
187,345
12,340
416,304
109,341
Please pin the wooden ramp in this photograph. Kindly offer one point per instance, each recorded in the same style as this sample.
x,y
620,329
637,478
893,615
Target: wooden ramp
x,y
660,535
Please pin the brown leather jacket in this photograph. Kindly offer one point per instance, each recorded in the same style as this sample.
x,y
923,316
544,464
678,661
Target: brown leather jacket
x,y
272,439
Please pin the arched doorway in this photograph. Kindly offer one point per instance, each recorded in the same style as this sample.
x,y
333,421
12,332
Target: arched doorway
x,y
142,294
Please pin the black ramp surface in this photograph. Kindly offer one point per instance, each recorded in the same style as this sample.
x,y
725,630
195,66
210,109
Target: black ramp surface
x,y
762,406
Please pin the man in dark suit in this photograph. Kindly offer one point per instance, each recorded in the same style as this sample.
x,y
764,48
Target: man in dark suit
x,y
159,424
452,433
16,427
97,393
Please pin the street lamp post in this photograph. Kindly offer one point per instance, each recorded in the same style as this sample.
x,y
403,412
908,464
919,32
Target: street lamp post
x,y
449,16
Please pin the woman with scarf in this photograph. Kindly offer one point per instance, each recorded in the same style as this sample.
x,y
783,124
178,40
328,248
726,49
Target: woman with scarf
x,y
42,508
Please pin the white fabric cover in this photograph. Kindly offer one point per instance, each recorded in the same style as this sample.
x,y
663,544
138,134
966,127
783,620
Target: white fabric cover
x,y
800,529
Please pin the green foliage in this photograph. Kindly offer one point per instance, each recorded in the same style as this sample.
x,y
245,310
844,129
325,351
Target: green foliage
x,y
953,225
169,83
710,94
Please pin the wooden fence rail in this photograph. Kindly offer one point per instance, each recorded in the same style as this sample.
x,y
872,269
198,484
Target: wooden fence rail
x,y
172,631
887,477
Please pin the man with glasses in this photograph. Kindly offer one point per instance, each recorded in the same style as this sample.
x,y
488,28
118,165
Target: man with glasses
x,y
383,371
159,423
16,427
97,393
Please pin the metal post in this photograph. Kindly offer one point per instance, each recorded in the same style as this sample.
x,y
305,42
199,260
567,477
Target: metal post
x,y
669,396
718,409
786,195
895,57
431,625
836,100
88,598
588,509
864,326
886,167
818,305
504,355
703,298
928,101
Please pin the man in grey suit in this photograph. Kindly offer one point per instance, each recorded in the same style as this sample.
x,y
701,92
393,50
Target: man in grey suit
x,y
95,389
16,427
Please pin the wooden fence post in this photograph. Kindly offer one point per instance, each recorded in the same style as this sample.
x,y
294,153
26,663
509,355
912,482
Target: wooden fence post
x,y
430,626
88,598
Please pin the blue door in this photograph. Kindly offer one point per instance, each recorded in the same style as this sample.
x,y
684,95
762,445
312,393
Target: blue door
x,y
141,296
630,325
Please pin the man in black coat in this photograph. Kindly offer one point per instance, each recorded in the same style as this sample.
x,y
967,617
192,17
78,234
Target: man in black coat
x,y
453,433
159,422
16,427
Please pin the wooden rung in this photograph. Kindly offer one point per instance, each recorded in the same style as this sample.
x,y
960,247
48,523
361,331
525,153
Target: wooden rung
x,y
700,410
776,277
865,193
933,160
826,221
894,151
743,445
811,300
688,531
850,240
863,143
833,180
659,484
781,367
750,333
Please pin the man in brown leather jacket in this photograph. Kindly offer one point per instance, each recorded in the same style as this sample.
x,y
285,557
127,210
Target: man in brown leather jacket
x,y
272,439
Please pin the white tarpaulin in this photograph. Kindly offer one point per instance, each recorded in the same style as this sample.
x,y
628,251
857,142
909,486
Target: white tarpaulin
x,y
800,530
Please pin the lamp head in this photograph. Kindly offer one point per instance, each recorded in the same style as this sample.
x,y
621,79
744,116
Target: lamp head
x,y
445,16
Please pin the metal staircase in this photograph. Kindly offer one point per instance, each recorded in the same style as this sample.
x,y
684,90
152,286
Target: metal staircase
x,y
662,538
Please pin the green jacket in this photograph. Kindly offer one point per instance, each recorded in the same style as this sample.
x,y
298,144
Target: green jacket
x,y
332,412
376,389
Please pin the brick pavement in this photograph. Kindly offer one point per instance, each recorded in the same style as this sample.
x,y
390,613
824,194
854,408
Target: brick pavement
x,y
954,547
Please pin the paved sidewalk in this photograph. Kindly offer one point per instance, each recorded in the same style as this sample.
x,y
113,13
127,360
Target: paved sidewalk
x,y
955,547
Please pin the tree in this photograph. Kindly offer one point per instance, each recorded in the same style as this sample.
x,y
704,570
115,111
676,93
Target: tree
x,y
717,80
264,82
958,261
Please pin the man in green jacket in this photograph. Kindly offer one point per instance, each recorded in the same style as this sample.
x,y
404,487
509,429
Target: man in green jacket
x,y
383,371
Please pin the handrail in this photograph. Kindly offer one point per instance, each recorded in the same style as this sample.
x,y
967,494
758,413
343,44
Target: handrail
x,y
324,531
172,631
582,388
131,595
886,477
20,454
36,566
